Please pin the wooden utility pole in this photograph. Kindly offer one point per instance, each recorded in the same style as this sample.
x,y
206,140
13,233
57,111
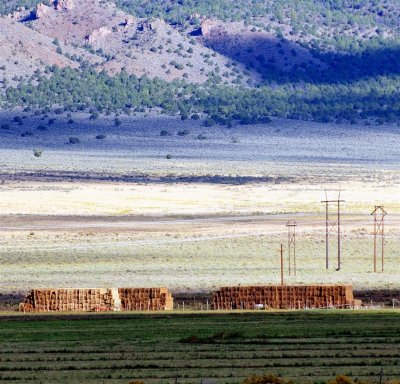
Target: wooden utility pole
x,y
332,224
291,232
282,264
379,230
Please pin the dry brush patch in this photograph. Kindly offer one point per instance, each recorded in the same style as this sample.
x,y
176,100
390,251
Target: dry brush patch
x,y
184,254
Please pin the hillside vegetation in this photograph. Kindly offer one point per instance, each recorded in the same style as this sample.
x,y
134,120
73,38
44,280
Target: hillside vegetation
x,y
232,61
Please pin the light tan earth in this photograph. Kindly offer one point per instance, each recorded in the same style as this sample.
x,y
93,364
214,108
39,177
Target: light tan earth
x,y
186,237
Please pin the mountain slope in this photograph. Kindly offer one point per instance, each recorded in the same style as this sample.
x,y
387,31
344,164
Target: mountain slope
x,y
142,47
23,51
235,61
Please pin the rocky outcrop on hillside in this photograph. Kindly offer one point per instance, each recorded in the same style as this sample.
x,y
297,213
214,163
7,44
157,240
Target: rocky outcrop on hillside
x,y
153,25
98,34
65,5
42,11
207,27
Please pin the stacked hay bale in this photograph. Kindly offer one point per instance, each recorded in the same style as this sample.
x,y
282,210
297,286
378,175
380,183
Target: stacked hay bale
x,y
285,297
145,299
65,300
97,299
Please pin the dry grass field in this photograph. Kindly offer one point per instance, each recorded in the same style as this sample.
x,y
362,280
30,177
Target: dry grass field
x,y
117,212
184,254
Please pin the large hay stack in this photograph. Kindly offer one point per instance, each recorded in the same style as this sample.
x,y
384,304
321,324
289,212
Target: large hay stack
x,y
97,300
64,300
285,297
145,299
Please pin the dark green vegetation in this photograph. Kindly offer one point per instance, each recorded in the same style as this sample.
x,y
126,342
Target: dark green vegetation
x,y
307,347
376,98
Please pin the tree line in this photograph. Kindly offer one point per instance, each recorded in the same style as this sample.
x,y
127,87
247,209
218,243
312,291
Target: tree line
x,y
374,99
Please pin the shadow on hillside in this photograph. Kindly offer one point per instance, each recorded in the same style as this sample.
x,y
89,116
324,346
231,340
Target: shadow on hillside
x,y
285,61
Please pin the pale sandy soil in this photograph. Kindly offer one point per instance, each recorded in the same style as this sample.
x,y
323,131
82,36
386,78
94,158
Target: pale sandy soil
x,y
116,212
118,198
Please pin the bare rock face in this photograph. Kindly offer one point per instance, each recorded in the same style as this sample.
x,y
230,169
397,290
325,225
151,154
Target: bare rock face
x,y
130,20
152,25
17,15
207,27
128,23
42,11
64,5
98,34
197,16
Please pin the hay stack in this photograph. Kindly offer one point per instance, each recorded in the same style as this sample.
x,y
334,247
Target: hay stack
x,y
97,299
65,300
145,299
285,297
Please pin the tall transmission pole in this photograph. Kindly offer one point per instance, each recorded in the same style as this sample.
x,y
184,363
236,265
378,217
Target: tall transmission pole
x,y
332,225
291,233
281,253
379,230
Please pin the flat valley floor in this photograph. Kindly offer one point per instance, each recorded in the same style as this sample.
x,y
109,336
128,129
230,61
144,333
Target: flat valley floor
x,y
192,208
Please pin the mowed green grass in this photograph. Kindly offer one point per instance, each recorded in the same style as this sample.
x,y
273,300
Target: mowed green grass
x,y
307,346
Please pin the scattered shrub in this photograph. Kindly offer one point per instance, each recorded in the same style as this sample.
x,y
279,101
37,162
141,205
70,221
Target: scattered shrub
x,y
209,123
264,379
165,133
74,140
18,119
184,132
37,152
341,379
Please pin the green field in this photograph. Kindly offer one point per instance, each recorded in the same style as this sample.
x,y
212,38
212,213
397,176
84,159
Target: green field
x,y
221,347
